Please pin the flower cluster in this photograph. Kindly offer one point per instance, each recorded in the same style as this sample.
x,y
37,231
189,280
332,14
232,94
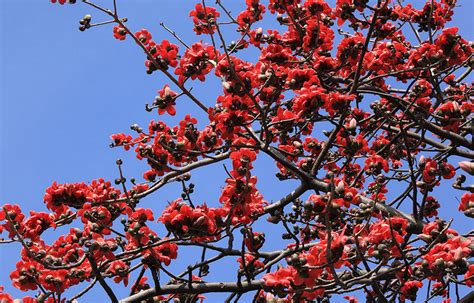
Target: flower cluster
x,y
432,168
59,197
448,256
304,269
195,62
382,239
200,223
240,197
163,55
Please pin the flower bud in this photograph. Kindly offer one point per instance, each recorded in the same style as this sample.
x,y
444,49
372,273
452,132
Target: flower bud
x,y
352,124
340,187
467,166
456,108
422,162
258,33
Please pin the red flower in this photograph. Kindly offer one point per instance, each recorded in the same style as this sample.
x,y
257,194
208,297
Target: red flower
x,y
453,250
349,49
431,169
424,55
375,163
351,299
141,215
59,196
26,275
251,14
455,48
165,101
431,207
63,1
140,285
120,32
276,54
467,204
318,36
119,270
284,119
254,241
318,257
195,62
242,161
4,297
452,114
409,290
345,195
469,276
165,54
344,10
434,15
15,216
204,19
447,170
143,36
434,228
200,223
162,253
337,102
96,214
283,277
54,280
36,224
243,198
103,248
312,145
138,189
100,191
385,231
251,263
122,140
388,55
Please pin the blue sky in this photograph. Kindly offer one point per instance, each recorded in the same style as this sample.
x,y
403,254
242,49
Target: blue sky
x,y
64,92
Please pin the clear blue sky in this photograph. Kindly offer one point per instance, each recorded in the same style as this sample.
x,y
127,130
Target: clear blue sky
x,y
63,92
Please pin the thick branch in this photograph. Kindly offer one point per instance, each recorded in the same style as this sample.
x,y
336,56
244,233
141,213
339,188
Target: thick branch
x,y
362,277
198,288
467,298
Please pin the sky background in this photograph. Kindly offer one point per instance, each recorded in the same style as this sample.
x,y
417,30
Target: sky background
x,y
64,92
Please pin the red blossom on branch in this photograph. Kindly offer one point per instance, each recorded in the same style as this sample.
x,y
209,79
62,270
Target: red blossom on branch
x,y
365,107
